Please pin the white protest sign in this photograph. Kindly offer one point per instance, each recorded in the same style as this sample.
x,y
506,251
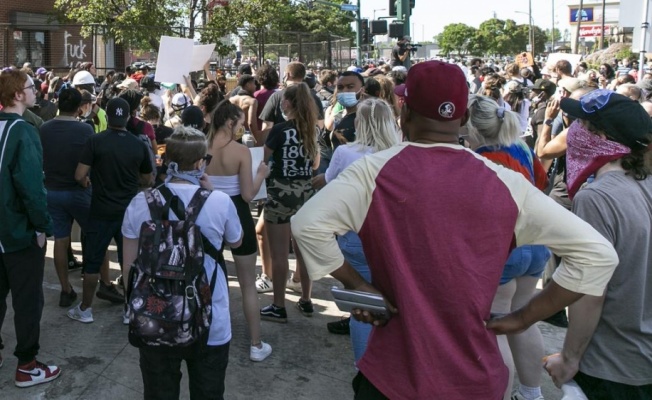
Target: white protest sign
x,y
177,57
282,64
200,55
573,59
257,156
173,61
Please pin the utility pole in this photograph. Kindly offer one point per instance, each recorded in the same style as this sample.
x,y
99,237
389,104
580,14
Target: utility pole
x,y
552,40
602,26
577,28
531,30
644,30
358,35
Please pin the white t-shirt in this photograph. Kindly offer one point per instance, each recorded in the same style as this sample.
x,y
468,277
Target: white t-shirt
x,y
218,220
343,157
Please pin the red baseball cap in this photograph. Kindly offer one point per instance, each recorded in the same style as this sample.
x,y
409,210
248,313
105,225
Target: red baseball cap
x,y
436,90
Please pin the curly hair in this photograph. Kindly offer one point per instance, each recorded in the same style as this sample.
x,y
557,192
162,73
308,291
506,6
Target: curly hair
x,y
209,98
267,77
492,85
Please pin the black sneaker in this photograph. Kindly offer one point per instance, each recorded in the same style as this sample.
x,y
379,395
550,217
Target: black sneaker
x,y
110,293
274,314
559,319
305,307
340,327
66,299
74,264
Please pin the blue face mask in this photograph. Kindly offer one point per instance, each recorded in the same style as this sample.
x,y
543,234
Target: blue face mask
x,y
347,99
190,176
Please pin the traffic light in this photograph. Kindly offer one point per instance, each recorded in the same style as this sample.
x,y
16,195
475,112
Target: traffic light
x,y
364,28
392,8
396,30
412,3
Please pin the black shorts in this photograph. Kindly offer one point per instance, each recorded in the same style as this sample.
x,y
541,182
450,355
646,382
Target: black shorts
x,y
249,243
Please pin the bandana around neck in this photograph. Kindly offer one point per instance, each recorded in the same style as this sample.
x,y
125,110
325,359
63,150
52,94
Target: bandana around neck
x,y
587,153
189,176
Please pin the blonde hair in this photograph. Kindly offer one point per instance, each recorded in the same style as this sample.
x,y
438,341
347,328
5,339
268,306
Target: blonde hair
x,y
185,147
375,125
492,125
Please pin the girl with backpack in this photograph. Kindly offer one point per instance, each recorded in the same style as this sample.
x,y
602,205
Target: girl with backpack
x,y
217,219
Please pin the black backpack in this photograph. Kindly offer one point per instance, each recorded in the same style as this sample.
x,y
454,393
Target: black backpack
x,y
169,294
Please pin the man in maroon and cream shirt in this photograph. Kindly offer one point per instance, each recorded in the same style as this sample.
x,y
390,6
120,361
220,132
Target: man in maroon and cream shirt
x,y
440,266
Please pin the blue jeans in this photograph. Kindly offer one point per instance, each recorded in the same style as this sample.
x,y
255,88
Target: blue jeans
x,y
528,260
351,247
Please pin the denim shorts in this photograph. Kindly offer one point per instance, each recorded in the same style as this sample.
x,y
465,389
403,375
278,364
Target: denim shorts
x,y
65,206
98,237
528,260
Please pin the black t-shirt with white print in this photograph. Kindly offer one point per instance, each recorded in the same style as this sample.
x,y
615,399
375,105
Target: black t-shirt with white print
x,y
289,155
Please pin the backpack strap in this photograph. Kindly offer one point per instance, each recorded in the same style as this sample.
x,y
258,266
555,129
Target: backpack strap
x,y
196,203
155,204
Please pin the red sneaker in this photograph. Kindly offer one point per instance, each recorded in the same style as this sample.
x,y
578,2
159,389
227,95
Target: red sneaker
x,y
34,373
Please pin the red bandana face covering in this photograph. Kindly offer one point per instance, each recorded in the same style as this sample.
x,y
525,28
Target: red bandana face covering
x,y
587,153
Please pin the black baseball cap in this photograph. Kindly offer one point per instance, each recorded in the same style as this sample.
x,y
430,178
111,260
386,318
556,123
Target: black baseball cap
x,y
622,119
118,112
193,117
545,85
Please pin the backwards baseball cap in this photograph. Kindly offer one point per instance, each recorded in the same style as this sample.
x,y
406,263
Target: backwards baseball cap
x,y
436,90
180,101
193,117
622,119
545,85
128,83
117,112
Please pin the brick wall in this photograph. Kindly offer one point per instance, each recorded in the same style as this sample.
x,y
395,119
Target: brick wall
x,y
27,33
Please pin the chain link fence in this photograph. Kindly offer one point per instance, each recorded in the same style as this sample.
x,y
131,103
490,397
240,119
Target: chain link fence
x,y
59,47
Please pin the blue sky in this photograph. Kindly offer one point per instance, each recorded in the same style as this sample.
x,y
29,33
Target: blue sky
x,y
430,16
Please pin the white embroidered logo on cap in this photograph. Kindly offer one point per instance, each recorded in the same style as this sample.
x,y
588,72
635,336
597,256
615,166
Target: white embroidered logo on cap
x,y
405,92
447,110
118,112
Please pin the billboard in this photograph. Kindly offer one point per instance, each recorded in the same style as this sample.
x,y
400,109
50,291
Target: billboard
x,y
583,15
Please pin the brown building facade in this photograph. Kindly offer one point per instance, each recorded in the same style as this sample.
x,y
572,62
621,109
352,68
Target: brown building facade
x,y
29,33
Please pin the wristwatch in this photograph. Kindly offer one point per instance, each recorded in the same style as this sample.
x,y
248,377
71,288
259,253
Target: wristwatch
x,y
549,121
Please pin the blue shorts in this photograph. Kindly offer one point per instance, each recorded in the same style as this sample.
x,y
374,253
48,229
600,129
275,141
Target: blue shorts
x,y
98,237
528,260
65,206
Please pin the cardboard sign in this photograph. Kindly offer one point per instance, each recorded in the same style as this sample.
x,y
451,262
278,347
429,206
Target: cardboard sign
x,y
524,59
177,57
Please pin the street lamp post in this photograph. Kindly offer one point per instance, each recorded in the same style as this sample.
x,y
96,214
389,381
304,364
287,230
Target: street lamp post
x,y
531,30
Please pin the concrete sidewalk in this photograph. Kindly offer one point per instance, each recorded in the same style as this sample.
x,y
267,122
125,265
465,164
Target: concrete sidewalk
x,y
98,363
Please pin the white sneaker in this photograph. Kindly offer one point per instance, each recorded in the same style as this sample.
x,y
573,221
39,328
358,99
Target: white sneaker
x,y
125,315
77,314
516,395
292,285
264,284
256,354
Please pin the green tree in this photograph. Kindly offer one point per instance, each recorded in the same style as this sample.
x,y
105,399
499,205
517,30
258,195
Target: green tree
x,y
457,38
123,20
556,37
496,36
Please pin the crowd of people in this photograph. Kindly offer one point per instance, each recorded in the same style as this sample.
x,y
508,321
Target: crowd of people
x,y
449,189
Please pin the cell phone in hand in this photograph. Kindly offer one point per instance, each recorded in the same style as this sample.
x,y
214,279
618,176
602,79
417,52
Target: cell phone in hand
x,y
348,300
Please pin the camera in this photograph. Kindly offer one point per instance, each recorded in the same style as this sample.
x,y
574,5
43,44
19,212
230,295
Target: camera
x,y
412,47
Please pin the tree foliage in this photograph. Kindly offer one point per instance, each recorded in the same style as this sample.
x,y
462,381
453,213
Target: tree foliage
x,y
140,23
459,38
